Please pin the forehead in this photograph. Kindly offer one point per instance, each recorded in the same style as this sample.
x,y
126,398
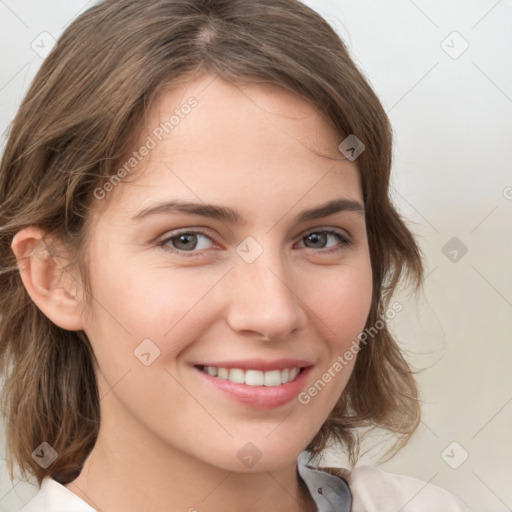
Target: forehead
x,y
219,141
232,116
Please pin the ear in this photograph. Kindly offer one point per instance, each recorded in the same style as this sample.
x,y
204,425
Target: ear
x,y
52,288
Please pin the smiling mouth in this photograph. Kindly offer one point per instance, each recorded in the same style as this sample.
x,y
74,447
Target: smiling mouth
x,y
270,378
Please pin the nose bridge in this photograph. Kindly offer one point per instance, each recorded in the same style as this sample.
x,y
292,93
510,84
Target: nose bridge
x,y
262,298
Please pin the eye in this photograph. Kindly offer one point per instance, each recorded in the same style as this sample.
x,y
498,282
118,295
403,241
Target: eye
x,y
191,243
186,241
318,240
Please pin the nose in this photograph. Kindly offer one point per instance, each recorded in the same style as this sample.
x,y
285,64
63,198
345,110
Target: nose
x,y
263,299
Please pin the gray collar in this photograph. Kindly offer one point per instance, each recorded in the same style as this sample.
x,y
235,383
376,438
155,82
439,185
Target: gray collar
x,y
329,492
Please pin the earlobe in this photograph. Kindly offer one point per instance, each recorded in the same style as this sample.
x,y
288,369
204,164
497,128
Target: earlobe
x,y
52,288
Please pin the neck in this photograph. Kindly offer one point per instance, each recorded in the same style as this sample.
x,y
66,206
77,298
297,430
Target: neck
x,y
120,475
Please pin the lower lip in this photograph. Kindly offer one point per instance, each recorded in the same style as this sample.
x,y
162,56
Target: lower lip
x,y
261,397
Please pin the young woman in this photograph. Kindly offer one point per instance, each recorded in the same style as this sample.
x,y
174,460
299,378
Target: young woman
x,y
198,258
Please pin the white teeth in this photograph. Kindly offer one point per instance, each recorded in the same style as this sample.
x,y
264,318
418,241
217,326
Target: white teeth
x,y
211,370
293,373
254,377
272,378
236,375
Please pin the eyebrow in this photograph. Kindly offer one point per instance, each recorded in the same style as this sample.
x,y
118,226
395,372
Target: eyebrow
x,y
223,213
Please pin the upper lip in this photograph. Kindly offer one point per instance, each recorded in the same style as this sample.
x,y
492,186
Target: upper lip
x,y
259,364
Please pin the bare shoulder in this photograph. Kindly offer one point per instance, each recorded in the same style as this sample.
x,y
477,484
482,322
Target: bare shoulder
x,y
374,489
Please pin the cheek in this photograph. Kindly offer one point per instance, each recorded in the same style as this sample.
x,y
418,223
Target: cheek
x,y
342,300
162,305
340,303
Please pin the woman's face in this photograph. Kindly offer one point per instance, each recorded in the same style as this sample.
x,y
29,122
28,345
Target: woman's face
x,y
250,273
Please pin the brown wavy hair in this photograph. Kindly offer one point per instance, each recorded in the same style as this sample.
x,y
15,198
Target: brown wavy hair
x,y
74,127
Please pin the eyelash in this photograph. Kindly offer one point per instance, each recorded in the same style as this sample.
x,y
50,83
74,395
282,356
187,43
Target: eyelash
x,y
345,242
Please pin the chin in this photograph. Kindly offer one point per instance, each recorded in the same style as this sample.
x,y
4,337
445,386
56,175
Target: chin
x,y
259,455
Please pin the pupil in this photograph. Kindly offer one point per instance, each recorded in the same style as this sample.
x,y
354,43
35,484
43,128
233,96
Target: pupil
x,y
315,238
184,238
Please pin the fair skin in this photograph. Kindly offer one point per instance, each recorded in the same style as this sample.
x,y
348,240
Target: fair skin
x,y
169,438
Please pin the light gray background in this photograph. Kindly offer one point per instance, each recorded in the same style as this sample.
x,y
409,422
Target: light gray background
x,y
452,116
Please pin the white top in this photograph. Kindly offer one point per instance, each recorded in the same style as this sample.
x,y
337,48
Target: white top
x,y
369,489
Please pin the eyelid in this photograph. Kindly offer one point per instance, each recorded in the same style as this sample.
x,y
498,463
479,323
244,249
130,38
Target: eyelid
x,y
329,229
345,241
183,231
